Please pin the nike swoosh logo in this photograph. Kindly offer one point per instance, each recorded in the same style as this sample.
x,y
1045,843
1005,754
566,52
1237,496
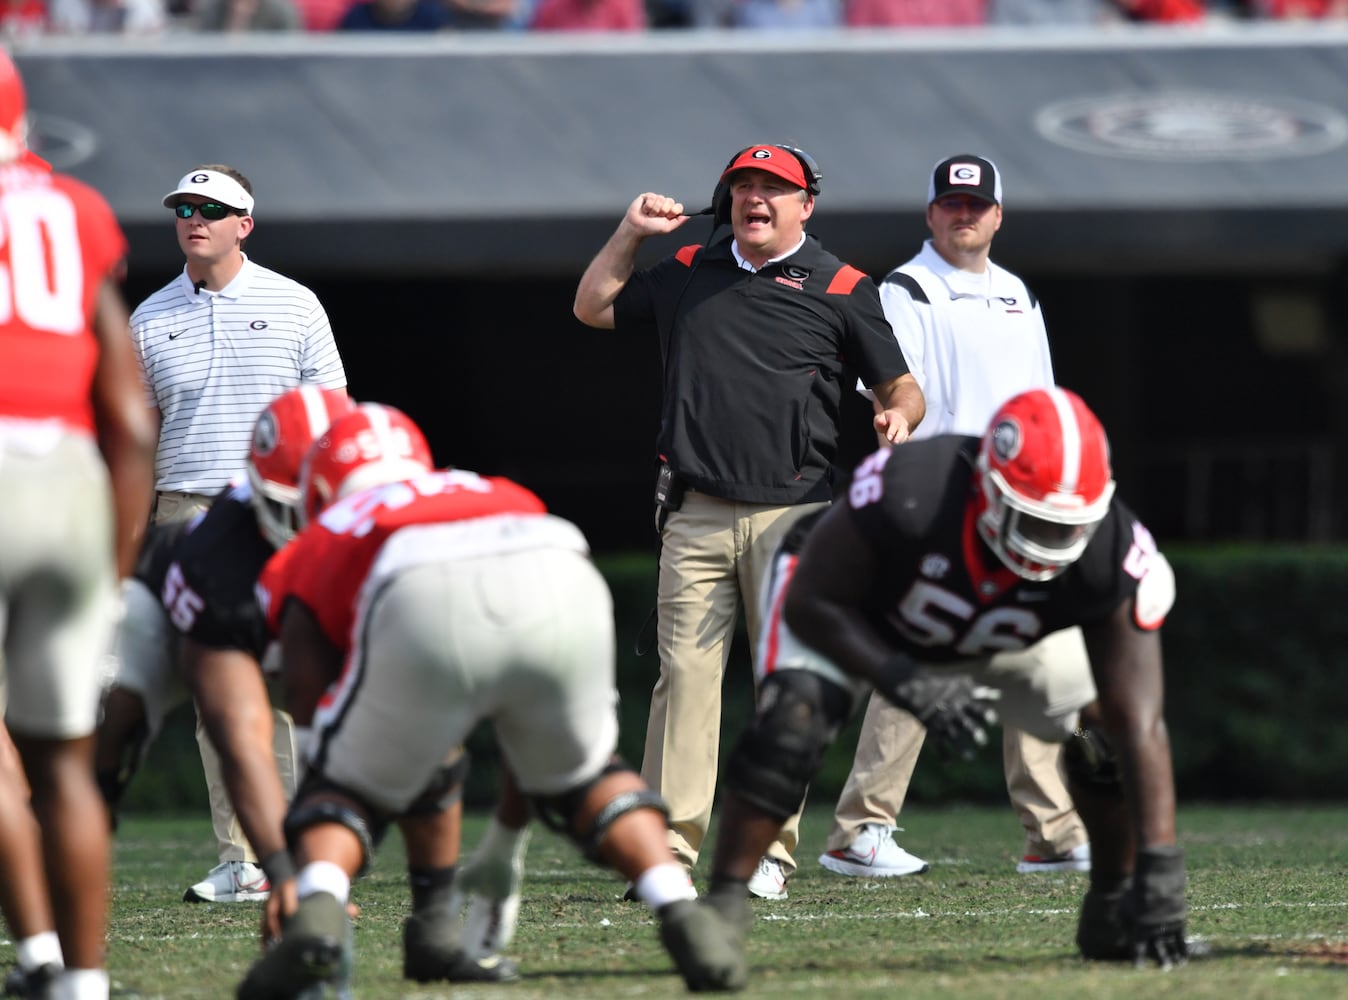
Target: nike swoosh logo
x,y
175,336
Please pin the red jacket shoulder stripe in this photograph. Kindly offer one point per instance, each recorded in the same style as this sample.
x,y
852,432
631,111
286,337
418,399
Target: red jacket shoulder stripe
x,y
845,280
688,254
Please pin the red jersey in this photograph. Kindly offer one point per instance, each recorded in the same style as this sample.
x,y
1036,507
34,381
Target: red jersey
x,y
58,241
335,563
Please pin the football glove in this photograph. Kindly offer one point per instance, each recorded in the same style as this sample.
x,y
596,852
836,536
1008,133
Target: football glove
x,y
956,711
488,887
1153,910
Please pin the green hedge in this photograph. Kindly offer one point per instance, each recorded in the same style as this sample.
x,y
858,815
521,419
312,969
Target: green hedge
x,y
1255,655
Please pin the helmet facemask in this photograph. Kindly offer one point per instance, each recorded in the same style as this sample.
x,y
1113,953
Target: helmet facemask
x,y
277,507
1035,540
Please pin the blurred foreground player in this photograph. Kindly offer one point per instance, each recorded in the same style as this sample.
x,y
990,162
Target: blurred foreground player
x,y
76,472
446,599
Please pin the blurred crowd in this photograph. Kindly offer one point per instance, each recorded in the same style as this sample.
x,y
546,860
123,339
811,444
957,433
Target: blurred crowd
x,y
22,19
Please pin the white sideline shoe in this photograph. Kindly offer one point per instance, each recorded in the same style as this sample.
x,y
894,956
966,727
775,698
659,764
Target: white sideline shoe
x,y
768,880
230,882
1078,859
874,854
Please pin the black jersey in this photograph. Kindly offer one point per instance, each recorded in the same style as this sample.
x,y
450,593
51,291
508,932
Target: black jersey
x,y
208,590
753,365
939,593
156,552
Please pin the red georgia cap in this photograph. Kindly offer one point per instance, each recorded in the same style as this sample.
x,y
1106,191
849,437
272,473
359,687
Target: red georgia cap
x,y
773,159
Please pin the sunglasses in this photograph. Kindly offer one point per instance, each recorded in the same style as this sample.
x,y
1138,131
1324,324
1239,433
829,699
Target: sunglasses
x,y
963,203
211,211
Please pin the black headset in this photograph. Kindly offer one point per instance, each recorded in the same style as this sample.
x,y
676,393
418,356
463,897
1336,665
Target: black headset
x,y
720,198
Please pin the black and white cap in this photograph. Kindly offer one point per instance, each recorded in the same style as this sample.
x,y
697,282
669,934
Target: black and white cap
x,y
966,174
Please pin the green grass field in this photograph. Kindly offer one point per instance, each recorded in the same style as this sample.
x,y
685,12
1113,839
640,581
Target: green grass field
x,y
1268,894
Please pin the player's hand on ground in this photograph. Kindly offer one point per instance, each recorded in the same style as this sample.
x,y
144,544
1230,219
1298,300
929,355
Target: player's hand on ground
x,y
279,907
1153,910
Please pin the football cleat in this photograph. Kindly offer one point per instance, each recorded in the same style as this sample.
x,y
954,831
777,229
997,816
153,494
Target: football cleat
x,y
314,951
707,943
433,950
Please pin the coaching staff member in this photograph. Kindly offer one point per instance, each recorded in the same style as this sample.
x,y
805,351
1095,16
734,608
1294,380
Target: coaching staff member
x,y
753,331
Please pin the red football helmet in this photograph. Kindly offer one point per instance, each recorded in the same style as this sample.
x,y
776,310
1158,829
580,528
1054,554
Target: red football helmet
x,y
374,445
1046,483
281,436
13,111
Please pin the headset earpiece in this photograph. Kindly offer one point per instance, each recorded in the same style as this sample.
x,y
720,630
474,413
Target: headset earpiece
x,y
720,197
812,172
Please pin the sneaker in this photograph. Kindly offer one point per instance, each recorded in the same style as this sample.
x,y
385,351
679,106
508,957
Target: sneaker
x,y
1078,859
313,950
707,947
433,951
874,854
230,882
768,880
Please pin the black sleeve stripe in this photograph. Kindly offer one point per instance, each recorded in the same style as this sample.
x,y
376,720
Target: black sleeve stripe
x,y
908,282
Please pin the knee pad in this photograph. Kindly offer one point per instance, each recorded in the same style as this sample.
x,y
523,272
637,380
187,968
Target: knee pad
x,y
304,813
1089,758
444,789
557,812
798,717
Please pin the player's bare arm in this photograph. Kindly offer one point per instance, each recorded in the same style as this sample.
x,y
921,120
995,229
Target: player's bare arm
x,y
649,214
231,696
836,570
1126,662
127,431
900,407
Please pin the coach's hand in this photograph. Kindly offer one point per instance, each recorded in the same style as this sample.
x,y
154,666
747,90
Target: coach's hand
x,y
1153,910
956,711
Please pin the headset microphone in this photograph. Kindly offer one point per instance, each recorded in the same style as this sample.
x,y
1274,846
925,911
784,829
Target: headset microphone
x,y
709,210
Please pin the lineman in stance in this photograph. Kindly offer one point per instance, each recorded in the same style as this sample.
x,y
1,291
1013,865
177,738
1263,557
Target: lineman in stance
x,y
192,615
444,598
941,583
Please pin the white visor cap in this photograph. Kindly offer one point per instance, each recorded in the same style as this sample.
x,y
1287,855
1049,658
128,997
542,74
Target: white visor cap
x,y
213,186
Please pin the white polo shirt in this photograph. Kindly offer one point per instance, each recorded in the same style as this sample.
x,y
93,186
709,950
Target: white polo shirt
x,y
214,360
972,341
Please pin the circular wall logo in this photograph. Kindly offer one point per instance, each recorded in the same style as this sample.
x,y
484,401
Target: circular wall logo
x,y
1192,126
60,141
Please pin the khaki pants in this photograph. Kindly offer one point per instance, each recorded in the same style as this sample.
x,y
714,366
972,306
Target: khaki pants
x,y
715,555
886,755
